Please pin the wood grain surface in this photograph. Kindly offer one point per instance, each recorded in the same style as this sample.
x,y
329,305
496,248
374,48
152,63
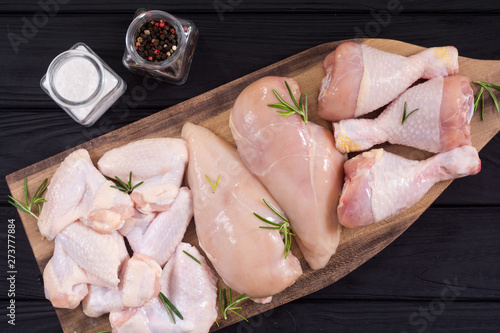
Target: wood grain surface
x,y
212,111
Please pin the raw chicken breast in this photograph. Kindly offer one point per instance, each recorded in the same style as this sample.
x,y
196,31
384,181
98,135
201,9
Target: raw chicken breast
x,y
78,191
139,284
441,123
297,163
380,184
98,254
249,259
64,281
160,163
166,231
191,287
360,79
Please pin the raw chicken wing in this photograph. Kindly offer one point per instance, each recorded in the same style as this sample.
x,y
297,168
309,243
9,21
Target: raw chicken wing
x,y
444,107
297,162
78,191
139,283
159,163
380,184
191,287
135,227
166,231
98,254
64,281
360,79
249,259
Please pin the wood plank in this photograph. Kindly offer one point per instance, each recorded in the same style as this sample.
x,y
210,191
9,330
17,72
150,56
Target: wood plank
x,y
355,6
219,58
467,249
330,315
211,110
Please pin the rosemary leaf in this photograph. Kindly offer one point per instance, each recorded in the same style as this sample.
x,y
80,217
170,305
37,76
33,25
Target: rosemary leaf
x,y
170,307
35,200
405,116
20,206
135,186
480,95
227,304
236,313
122,186
271,228
285,103
486,84
284,227
274,210
482,108
213,185
286,109
267,221
494,98
192,257
291,95
26,191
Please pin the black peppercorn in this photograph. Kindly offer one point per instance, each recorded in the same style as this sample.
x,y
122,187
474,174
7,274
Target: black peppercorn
x,y
156,40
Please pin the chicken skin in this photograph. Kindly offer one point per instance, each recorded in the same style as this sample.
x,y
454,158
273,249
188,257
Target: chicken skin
x,y
360,79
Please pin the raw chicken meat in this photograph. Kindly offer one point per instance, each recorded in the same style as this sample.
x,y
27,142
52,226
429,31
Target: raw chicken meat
x,y
249,259
98,254
139,284
441,123
160,163
160,238
191,287
360,79
64,281
78,191
135,227
380,184
297,162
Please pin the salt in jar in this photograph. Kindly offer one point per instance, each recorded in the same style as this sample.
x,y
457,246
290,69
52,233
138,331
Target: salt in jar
x,y
82,84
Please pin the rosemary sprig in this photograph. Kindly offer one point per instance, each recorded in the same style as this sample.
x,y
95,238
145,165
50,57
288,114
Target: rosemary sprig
x,y
191,256
213,185
171,309
286,109
480,95
229,305
405,116
28,204
284,227
122,186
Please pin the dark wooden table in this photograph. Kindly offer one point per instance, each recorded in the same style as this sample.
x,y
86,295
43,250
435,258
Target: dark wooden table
x,y
441,275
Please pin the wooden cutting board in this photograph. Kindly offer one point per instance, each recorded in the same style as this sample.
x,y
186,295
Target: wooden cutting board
x,y
212,111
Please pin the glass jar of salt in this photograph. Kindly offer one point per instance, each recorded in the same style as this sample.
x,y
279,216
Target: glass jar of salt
x,y
82,84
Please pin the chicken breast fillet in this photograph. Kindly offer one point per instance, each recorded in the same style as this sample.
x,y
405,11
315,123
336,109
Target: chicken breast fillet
x,y
297,162
249,259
